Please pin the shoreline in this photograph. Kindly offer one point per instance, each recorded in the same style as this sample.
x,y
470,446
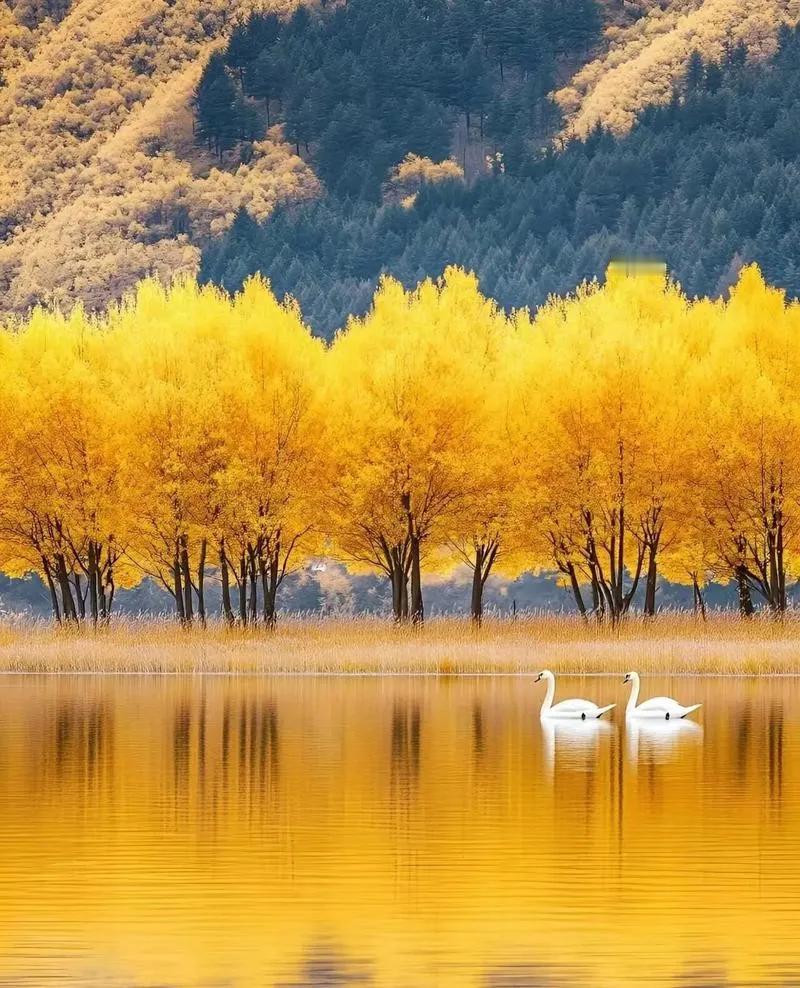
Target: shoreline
x,y
288,674
673,644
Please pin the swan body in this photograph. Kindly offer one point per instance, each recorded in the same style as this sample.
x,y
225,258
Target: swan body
x,y
658,707
567,709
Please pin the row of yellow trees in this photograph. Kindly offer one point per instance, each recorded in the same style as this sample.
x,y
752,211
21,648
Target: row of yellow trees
x,y
618,434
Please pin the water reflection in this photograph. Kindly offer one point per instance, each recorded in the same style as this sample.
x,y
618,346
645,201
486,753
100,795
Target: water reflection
x,y
775,752
576,742
306,832
405,748
660,741
531,976
326,966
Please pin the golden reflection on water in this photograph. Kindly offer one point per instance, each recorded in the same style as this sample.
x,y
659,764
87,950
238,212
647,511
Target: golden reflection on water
x,y
397,832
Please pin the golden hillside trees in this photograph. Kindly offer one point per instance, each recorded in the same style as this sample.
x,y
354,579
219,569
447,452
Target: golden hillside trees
x,y
617,435
98,152
642,63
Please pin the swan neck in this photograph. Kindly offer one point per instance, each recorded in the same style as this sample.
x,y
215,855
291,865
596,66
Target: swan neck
x,y
548,697
634,697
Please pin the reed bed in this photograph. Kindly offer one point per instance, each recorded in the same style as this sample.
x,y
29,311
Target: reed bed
x,y
671,643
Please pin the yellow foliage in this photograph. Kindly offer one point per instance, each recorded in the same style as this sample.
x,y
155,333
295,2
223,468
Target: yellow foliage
x,y
414,171
98,156
413,389
664,433
620,433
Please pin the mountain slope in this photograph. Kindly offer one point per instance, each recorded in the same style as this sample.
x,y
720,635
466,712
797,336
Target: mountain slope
x,y
729,195
642,63
100,178
103,180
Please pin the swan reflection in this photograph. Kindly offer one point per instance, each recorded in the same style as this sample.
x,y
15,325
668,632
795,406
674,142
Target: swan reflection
x,y
576,741
659,741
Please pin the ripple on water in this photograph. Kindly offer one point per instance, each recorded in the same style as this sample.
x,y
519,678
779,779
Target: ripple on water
x,y
395,832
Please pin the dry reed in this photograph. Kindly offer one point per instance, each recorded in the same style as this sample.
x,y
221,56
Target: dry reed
x,y
675,642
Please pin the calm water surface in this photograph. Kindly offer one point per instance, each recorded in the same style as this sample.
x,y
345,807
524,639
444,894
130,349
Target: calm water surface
x,y
398,832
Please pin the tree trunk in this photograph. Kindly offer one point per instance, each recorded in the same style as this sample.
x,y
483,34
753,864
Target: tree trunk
x,y
476,600
416,606
176,587
745,598
52,588
227,609
597,600
618,595
602,594
777,575
201,579
485,555
651,581
270,608
102,604
186,575
92,578
602,597
253,604
781,570
243,589
80,600
396,576
699,603
67,603
107,602
576,590
264,574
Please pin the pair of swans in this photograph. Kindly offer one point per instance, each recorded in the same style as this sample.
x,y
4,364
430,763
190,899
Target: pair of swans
x,y
659,708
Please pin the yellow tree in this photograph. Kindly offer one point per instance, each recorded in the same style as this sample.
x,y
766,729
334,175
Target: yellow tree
x,y
595,417
61,513
408,423
169,346
275,450
480,533
750,434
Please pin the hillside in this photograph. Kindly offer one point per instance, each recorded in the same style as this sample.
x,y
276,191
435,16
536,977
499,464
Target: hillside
x,y
641,63
101,180
729,196
105,174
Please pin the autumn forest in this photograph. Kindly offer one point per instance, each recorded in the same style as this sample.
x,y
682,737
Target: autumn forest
x,y
285,284
618,435
399,493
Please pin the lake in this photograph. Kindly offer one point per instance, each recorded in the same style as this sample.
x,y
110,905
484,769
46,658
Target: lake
x,y
225,831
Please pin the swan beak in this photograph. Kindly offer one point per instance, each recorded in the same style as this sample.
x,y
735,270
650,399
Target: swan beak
x,y
627,679
538,678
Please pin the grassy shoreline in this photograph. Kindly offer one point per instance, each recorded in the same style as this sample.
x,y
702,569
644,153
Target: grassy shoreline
x,y
672,643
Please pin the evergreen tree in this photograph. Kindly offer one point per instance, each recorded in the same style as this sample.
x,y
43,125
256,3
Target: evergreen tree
x,y
218,107
538,221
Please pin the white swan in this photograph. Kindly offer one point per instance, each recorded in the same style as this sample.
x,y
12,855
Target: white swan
x,y
660,707
572,709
